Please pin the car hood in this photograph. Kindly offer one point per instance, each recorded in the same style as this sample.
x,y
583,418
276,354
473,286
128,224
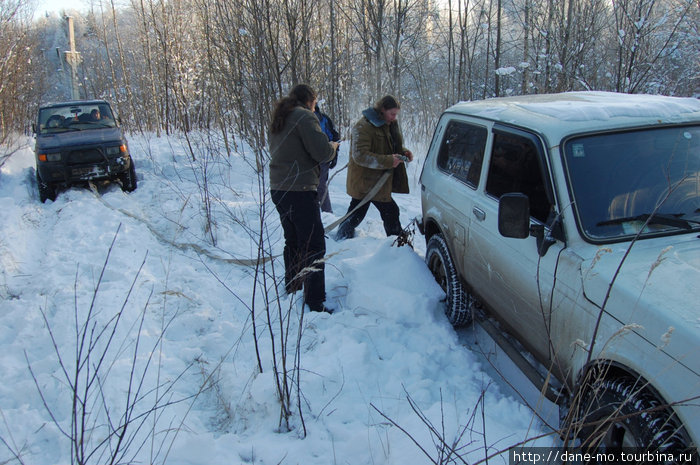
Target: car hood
x,y
77,138
656,288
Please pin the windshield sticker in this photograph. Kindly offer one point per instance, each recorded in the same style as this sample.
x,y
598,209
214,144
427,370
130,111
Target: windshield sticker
x,y
578,151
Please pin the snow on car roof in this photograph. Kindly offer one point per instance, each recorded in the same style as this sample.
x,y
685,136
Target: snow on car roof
x,y
73,103
559,115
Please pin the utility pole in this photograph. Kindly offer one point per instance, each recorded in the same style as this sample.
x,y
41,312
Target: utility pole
x,y
73,59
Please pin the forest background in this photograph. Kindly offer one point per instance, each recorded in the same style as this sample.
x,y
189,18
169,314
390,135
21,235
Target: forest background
x,y
182,65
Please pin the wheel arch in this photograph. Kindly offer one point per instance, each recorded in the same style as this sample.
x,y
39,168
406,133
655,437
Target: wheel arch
x,y
610,370
430,228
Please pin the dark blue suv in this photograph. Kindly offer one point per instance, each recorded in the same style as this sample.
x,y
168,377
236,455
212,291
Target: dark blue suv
x,y
78,142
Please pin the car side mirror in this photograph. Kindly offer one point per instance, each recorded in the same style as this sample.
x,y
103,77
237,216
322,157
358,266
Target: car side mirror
x,y
514,216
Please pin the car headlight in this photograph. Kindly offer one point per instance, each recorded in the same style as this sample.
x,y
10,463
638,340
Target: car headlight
x,y
114,151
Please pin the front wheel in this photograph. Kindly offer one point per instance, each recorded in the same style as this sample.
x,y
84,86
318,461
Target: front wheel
x,y
621,414
46,190
128,179
440,264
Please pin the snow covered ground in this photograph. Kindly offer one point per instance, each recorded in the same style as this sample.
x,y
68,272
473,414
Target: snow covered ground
x,y
176,355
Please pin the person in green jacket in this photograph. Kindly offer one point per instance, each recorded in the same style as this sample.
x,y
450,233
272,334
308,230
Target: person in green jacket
x,y
376,147
297,147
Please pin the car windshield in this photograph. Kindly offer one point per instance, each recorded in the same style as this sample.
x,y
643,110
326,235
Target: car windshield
x,y
623,181
77,117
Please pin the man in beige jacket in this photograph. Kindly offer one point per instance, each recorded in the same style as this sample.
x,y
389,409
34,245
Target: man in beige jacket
x,y
376,146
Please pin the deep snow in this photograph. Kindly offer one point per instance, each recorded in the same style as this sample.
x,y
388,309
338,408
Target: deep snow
x,y
386,348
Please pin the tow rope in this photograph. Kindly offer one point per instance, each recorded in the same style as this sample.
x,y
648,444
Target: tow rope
x,y
250,262
182,246
370,195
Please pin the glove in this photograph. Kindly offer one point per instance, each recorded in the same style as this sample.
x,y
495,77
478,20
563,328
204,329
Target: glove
x,y
334,161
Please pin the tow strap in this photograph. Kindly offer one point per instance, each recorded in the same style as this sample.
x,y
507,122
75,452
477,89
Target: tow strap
x,y
251,262
370,195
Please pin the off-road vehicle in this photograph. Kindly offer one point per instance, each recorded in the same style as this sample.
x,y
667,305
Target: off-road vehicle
x,y
78,142
571,222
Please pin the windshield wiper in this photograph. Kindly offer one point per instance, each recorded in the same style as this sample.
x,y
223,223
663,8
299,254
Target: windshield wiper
x,y
672,220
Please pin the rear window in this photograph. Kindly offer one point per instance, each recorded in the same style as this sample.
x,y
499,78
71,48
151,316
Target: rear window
x,y
461,153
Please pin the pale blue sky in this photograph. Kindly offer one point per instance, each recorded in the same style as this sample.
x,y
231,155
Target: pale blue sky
x,y
57,5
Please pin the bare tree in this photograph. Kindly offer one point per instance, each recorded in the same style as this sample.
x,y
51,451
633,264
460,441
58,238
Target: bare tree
x,y
244,42
102,430
471,14
647,32
189,64
17,72
147,80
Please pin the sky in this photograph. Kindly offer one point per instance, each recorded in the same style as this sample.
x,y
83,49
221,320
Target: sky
x,y
57,6
371,377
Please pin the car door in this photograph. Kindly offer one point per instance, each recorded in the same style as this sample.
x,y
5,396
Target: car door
x,y
457,169
509,274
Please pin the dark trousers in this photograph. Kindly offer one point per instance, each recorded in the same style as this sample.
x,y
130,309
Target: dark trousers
x,y
389,212
304,243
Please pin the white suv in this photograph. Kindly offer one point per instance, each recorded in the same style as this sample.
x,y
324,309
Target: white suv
x,y
574,221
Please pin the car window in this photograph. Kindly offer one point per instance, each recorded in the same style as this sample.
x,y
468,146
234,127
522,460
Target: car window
x,y
75,117
462,151
515,167
621,179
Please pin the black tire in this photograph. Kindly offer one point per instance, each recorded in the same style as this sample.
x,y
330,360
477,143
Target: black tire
x,y
128,179
439,261
621,413
46,191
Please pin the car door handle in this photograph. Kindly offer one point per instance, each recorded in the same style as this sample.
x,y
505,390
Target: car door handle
x,y
479,213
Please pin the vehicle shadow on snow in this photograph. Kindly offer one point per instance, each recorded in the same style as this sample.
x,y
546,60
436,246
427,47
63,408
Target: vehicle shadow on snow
x,y
507,377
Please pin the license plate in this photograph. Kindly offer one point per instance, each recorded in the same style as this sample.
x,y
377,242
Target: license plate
x,y
88,172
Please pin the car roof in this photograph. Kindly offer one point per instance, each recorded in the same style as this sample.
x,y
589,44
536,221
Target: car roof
x,y
74,102
559,115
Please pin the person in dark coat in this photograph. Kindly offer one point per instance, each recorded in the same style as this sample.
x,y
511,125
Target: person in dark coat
x,y
376,146
297,147
328,128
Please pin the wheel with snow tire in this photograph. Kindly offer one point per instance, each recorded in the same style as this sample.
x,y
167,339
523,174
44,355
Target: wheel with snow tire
x,y
46,190
441,265
622,414
128,179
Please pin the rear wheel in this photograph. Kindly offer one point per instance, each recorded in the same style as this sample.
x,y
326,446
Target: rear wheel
x,y
622,414
457,301
46,190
